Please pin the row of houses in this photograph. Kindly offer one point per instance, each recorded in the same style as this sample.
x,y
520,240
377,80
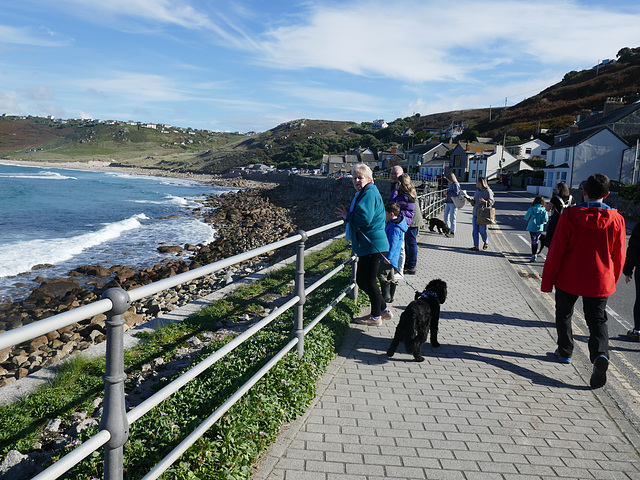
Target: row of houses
x,y
605,141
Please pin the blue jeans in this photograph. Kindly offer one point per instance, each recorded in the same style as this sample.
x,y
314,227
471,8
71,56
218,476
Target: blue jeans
x,y
478,230
411,248
450,213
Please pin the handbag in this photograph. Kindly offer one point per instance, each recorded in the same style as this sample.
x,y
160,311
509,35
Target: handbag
x,y
486,216
459,201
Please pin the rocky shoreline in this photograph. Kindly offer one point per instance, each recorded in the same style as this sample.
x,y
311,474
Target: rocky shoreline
x,y
258,214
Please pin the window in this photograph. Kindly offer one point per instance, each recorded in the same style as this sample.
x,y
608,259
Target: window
x,y
543,153
527,151
566,155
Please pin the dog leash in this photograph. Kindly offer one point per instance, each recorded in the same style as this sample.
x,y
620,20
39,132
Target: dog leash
x,y
396,270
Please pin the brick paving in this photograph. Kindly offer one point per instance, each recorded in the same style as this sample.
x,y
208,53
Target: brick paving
x,y
491,403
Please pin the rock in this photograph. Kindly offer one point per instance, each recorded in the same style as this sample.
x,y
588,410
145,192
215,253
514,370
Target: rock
x,y
56,288
167,249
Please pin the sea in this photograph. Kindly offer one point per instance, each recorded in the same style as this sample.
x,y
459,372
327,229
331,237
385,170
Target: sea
x,y
71,217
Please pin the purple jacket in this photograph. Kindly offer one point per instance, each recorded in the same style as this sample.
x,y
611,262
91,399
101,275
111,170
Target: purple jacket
x,y
407,205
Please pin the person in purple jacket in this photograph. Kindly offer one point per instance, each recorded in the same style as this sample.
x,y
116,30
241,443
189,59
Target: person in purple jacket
x,y
400,196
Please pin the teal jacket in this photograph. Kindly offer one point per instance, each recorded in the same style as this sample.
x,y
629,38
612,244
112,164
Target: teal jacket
x,y
537,216
366,221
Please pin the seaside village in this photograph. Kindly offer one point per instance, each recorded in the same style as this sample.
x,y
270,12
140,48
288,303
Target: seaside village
x,y
604,141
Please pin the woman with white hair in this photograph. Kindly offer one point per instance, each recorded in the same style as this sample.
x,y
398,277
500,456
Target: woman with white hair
x,y
365,219
450,209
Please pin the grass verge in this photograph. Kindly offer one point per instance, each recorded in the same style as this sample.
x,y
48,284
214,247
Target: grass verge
x,y
229,449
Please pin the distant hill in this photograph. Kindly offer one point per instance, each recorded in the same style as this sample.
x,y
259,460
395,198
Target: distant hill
x,y
303,142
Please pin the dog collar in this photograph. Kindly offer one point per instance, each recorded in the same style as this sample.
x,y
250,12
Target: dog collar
x,y
429,293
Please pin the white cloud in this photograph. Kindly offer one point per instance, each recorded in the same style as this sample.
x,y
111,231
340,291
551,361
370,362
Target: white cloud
x,y
420,41
32,37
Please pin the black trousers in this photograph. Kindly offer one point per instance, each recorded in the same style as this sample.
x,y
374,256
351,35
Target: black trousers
x,y
596,316
367,280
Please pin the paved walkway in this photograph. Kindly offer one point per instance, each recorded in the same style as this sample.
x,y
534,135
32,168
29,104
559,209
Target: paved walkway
x,y
490,403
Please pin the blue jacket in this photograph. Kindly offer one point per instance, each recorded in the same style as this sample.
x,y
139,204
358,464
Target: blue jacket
x,y
395,231
366,221
537,216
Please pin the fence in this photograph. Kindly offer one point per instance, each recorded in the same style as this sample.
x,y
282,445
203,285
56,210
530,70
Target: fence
x,y
115,421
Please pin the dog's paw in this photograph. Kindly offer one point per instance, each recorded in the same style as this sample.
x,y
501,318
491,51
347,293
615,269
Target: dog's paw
x,y
419,359
435,343
390,353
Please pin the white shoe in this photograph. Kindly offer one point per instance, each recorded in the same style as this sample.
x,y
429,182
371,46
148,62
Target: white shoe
x,y
387,315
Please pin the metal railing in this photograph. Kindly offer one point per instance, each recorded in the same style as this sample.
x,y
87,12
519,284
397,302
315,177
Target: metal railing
x,y
432,203
115,420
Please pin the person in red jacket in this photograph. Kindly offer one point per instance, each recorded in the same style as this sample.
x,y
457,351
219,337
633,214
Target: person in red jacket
x,y
585,260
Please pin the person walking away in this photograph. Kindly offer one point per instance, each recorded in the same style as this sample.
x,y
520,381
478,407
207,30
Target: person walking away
x,y
395,228
450,210
560,200
586,260
482,197
537,217
630,270
365,219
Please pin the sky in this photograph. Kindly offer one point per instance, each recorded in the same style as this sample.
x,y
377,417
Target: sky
x,y
250,65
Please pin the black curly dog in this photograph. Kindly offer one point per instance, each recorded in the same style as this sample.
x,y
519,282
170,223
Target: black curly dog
x,y
439,224
421,316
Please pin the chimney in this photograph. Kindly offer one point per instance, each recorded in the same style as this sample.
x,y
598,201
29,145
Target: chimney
x,y
612,104
584,113
394,149
573,128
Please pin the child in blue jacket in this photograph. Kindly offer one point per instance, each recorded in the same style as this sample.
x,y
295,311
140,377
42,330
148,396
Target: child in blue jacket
x,y
395,229
537,216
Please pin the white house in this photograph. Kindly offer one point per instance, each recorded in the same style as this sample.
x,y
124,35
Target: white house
x,y
573,159
527,149
489,164
378,124
420,154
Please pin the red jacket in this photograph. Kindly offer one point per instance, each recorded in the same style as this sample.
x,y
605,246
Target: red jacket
x,y
587,252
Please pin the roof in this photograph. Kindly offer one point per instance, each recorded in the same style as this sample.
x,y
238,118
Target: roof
x,y
580,136
602,119
424,147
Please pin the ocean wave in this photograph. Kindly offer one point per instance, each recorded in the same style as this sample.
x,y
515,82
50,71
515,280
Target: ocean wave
x,y
43,175
21,257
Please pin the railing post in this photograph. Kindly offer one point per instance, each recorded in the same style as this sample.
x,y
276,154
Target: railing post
x,y
114,416
298,316
354,272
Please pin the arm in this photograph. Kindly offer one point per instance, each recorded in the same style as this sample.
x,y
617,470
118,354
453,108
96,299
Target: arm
x,y
633,251
619,247
553,263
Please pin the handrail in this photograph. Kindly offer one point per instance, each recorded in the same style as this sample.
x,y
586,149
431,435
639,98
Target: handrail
x,y
114,425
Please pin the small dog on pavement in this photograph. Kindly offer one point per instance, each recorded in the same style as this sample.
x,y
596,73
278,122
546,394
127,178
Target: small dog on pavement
x,y
439,224
419,318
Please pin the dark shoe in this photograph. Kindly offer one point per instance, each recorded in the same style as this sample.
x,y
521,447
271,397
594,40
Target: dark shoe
x,y
633,335
560,358
386,291
474,249
369,320
599,375
452,234
409,271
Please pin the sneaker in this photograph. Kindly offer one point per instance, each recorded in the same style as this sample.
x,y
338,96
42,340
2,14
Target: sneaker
x,y
599,375
633,335
397,278
474,248
369,320
447,234
387,315
560,358
409,271
452,234
533,258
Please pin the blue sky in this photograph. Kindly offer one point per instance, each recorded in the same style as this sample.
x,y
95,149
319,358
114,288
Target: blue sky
x,y
253,64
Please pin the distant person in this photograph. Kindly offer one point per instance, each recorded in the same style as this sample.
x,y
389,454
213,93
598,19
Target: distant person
x,y
450,210
399,194
506,182
365,219
483,197
395,229
537,217
630,270
560,200
586,260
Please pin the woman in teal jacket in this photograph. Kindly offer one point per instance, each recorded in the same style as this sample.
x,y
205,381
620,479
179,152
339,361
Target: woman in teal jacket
x,y
365,219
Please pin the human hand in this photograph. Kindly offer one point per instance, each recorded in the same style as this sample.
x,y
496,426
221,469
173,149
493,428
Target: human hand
x,y
341,211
